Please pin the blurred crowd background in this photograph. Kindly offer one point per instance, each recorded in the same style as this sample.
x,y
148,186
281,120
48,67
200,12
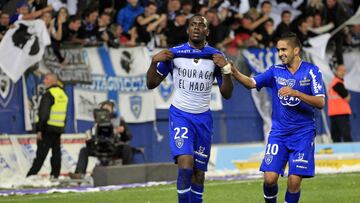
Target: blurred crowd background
x,y
234,24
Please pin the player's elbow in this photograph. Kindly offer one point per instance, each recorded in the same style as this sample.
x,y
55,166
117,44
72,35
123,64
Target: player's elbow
x,y
227,95
320,104
150,85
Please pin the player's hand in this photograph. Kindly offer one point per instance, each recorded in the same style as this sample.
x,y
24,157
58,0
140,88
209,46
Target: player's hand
x,y
163,55
39,136
219,60
288,91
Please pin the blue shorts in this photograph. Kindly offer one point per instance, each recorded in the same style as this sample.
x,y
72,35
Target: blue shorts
x,y
296,149
191,134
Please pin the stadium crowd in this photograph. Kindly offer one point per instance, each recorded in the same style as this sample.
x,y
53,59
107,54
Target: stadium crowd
x,y
163,23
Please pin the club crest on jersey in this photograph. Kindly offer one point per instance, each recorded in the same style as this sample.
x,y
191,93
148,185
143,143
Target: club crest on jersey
x,y
166,88
136,105
6,89
179,142
291,82
268,159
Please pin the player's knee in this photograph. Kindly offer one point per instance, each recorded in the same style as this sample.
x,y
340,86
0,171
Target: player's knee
x,y
270,179
294,183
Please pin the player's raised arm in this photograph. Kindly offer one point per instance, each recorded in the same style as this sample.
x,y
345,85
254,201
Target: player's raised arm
x,y
226,87
153,76
243,79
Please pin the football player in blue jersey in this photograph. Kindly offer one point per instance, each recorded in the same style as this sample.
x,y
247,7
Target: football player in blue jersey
x,y
194,66
297,89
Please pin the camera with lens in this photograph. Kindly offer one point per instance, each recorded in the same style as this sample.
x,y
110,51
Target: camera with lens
x,y
102,143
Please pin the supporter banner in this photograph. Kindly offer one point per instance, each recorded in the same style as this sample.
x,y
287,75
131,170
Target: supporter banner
x,y
22,46
6,89
258,61
33,90
75,69
352,64
18,152
120,75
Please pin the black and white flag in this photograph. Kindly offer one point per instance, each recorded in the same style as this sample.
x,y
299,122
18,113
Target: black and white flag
x,y
23,46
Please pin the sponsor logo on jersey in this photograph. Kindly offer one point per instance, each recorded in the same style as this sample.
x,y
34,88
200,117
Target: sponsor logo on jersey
x,y
300,158
316,86
305,82
200,152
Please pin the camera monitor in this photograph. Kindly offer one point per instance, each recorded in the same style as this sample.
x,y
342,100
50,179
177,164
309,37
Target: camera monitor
x,y
102,116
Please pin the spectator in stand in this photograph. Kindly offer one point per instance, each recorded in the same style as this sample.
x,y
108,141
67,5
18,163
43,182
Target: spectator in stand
x,y
58,23
127,40
177,30
303,33
315,6
4,24
56,32
172,7
218,31
202,10
266,8
47,17
284,25
22,12
147,23
89,29
317,20
353,36
266,37
160,35
105,33
187,7
69,34
71,29
127,15
335,13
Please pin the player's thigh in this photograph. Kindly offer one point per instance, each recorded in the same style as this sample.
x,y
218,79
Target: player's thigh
x,y
181,134
276,155
301,158
203,127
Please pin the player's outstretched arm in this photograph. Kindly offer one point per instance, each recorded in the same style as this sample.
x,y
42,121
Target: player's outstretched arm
x,y
316,101
227,85
243,79
153,78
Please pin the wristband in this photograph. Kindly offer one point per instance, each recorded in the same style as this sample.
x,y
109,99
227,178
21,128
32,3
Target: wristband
x,y
226,69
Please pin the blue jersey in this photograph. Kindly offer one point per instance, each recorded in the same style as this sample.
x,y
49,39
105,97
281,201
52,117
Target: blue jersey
x,y
193,72
190,120
290,114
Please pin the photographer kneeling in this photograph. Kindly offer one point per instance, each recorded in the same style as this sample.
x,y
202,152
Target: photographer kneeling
x,y
115,145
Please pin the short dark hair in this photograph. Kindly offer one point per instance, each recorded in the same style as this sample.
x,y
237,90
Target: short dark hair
x,y
285,12
75,18
199,15
151,3
265,2
292,38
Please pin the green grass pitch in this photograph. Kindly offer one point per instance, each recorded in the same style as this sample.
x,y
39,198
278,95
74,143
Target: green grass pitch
x,y
332,188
